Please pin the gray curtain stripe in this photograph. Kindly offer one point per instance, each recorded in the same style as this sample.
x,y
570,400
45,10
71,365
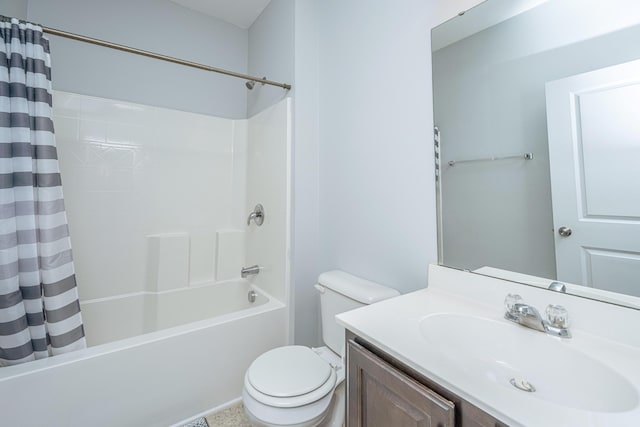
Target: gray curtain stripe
x,y
11,210
55,261
10,299
60,287
67,338
48,179
24,120
13,327
20,90
62,313
50,207
29,237
20,352
14,209
53,234
31,65
40,344
26,149
9,270
28,179
35,319
26,265
31,292
10,240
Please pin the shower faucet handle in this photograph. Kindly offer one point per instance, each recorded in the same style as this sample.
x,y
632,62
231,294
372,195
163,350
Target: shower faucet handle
x,y
257,215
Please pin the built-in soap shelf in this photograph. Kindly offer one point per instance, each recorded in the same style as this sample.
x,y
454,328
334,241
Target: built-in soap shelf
x,y
178,260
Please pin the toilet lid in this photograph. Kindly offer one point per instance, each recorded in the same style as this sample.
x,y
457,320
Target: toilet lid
x,y
288,371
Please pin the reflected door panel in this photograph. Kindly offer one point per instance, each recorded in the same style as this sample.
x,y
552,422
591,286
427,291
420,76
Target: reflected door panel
x,y
594,153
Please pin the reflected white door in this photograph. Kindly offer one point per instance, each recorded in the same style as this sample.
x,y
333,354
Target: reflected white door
x,y
594,153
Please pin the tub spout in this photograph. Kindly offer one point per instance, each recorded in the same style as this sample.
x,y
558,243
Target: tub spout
x,y
250,271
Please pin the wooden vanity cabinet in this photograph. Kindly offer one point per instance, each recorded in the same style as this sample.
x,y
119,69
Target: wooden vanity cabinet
x,y
382,392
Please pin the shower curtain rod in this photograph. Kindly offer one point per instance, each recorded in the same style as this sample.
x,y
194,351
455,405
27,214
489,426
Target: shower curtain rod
x,y
148,54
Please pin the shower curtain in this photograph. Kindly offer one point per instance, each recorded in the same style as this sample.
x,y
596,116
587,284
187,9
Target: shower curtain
x,y
39,307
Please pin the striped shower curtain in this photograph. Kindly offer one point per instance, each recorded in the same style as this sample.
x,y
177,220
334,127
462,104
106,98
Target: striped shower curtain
x,y
39,307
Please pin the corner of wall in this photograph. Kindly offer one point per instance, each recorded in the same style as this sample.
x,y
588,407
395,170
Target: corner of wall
x,y
306,236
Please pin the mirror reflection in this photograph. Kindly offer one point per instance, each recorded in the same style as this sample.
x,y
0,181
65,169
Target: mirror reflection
x,y
537,108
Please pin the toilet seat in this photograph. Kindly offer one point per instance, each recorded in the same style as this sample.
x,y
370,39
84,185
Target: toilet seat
x,y
289,377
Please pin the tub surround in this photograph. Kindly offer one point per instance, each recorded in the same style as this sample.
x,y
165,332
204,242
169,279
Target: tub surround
x,y
603,335
174,188
160,183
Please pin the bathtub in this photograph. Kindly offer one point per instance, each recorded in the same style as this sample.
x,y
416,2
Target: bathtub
x,y
185,362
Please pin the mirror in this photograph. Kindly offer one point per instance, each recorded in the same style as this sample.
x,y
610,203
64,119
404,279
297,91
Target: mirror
x,y
537,113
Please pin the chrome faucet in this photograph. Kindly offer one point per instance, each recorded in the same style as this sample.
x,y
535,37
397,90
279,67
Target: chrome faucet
x,y
526,315
556,324
250,271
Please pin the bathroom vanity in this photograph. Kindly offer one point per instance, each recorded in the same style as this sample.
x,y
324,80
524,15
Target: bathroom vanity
x,y
383,391
448,354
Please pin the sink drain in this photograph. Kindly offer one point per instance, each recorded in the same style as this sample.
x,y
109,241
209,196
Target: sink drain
x,y
522,384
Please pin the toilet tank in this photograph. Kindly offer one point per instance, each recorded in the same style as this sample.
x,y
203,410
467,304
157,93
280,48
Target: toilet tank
x,y
340,292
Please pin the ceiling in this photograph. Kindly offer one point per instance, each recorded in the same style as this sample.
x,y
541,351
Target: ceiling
x,y
241,13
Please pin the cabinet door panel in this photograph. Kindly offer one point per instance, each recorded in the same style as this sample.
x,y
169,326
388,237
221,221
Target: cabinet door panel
x,y
379,395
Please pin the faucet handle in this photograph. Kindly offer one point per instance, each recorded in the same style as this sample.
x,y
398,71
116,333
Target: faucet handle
x,y
557,316
510,302
257,215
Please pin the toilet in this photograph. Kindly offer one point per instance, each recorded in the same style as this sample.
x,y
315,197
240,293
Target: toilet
x,y
297,386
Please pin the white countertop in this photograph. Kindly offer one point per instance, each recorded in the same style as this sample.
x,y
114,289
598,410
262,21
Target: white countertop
x,y
394,327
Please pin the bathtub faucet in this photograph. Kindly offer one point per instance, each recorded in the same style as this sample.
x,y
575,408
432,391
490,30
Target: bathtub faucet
x,y
256,216
250,271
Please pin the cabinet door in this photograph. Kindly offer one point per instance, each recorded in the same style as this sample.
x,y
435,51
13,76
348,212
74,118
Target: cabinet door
x,y
379,395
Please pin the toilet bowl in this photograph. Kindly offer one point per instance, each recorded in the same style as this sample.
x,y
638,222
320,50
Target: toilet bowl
x,y
297,386
294,386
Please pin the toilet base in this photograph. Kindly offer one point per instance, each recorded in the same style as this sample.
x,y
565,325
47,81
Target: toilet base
x,y
333,416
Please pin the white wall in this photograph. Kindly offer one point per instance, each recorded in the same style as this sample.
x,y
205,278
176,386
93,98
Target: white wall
x,y
376,151
375,168
158,26
271,53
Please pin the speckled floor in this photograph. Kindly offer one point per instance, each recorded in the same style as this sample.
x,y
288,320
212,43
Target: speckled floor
x,y
232,416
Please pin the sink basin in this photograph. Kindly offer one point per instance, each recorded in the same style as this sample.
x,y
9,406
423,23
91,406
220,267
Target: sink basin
x,y
523,360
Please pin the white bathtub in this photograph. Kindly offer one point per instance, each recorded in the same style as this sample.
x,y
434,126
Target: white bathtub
x,y
155,379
